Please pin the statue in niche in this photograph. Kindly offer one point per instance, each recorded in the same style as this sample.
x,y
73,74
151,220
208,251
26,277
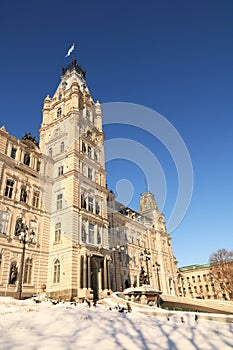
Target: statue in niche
x,y
18,226
13,274
23,195
84,234
98,237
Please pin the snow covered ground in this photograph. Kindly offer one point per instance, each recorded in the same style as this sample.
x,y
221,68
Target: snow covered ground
x,y
26,325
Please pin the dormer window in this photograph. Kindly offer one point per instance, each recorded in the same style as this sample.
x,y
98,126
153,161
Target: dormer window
x,y
13,152
60,97
59,112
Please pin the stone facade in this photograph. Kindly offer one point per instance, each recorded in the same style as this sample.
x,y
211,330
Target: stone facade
x,y
139,243
86,244
198,281
21,200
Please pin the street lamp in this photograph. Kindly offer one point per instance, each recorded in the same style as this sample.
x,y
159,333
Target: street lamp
x,y
118,249
25,237
147,257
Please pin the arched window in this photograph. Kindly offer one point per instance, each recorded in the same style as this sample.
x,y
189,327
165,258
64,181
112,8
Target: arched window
x,y
59,112
28,271
62,147
56,272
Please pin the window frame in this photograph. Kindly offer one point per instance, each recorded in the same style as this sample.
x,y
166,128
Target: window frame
x,y
57,232
62,147
56,271
9,188
4,221
27,278
91,233
59,201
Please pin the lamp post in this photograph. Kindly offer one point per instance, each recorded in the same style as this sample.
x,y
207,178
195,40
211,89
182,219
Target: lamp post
x,y
118,249
25,237
147,256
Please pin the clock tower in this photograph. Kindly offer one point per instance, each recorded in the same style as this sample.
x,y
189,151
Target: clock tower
x,y
72,141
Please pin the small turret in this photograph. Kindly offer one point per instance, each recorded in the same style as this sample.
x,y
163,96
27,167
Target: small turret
x,y
149,207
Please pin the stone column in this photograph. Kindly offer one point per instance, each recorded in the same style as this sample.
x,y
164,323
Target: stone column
x,y
99,281
85,271
105,273
108,274
89,271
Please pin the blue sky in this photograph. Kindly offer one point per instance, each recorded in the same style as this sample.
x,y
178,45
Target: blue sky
x,y
174,57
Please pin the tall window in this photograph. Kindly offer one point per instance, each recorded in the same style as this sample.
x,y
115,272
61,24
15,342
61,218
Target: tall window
x,y
59,112
90,204
62,147
98,235
97,208
89,152
23,195
4,217
38,165
57,232
9,188
83,147
83,201
96,155
60,170
91,233
33,226
89,174
56,271
28,271
36,199
59,201
26,159
13,152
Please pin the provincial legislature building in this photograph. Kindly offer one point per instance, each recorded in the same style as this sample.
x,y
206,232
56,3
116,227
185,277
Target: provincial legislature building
x,y
59,224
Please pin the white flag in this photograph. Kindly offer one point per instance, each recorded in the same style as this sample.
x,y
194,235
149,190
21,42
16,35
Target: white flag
x,y
69,52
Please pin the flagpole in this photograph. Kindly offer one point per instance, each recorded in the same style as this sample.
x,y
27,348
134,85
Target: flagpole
x,y
75,54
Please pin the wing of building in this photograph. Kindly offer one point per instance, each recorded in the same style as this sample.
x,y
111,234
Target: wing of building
x,y
75,238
